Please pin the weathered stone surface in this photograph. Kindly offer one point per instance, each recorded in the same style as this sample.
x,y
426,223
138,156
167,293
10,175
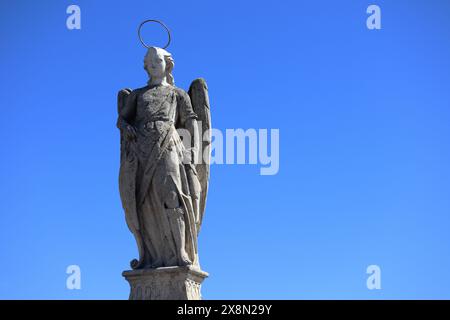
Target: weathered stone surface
x,y
167,283
162,183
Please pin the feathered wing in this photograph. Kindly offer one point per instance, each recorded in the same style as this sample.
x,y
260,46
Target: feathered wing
x,y
127,182
198,92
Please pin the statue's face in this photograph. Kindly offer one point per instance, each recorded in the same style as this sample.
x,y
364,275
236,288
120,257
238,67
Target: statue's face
x,y
156,65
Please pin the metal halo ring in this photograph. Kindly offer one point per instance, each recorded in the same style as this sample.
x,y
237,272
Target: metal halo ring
x,y
157,21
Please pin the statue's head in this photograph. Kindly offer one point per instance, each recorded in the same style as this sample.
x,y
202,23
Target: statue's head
x,y
159,63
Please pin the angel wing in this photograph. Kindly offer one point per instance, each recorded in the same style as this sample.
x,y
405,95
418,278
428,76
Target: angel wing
x,y
127,182
198,92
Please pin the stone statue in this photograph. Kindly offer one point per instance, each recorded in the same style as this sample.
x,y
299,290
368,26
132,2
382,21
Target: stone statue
x,y
163,179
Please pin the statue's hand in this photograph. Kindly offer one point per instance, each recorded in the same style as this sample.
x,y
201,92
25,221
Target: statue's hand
x,y
130,133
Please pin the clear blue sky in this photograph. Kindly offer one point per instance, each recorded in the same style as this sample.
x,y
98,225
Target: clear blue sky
x,y
364,145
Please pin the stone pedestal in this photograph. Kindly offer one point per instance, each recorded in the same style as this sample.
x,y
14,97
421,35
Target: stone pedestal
x,y
167,283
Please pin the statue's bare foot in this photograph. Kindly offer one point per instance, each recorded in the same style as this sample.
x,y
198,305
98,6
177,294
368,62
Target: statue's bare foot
x,y
155,264
185,262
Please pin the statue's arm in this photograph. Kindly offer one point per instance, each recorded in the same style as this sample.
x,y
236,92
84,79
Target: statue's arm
x,y
127,115
188,119
192,127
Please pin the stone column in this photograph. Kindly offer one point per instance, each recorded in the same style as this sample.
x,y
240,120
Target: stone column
x,y
166,283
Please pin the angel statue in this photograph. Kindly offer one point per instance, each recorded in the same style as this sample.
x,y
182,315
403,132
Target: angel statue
x,y
164,164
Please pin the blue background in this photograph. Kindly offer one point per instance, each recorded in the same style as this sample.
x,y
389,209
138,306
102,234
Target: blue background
x,y
364,145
